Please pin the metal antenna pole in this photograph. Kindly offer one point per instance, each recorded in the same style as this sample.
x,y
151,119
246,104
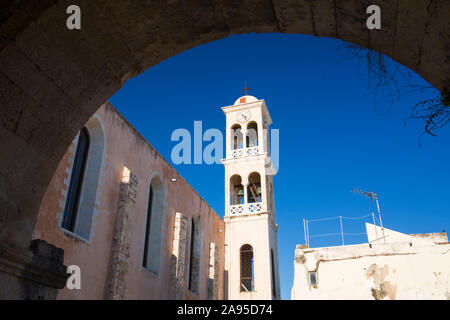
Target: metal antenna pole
x,y
375,225
307,232
373,196
381,221
304,230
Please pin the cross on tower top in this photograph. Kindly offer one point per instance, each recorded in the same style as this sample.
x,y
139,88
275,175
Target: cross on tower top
x,y
246,89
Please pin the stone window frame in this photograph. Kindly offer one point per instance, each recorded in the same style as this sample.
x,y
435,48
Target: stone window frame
x,y
89,199
153,263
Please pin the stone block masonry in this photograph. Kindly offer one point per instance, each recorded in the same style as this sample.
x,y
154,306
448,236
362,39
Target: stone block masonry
x,y
178,257
120,249
213,271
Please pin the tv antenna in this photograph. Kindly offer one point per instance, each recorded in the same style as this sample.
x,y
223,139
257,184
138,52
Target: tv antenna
x,y
372,195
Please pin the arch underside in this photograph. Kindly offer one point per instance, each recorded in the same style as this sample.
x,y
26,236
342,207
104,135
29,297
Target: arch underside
x,y
52,79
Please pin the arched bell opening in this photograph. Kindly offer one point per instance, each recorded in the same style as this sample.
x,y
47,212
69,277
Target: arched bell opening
x,y
252,135
236,190
254,191
237,137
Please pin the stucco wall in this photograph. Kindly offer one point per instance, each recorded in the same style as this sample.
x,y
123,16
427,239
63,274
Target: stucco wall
x,y
124,146
395,271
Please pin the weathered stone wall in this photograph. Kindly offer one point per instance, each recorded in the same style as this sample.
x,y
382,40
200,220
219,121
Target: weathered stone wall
x,y
213,273
399,270
120,248
178,258
34,274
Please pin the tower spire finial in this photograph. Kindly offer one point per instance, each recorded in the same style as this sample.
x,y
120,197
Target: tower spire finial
x,y
246,88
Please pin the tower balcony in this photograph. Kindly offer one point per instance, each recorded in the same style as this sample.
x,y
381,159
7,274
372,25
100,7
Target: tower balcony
x,y
244,152
245,208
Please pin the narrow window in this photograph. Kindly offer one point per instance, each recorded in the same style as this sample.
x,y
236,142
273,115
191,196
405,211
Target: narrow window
x,y
247,278
147,228
191,257
274,282
313,278
194,255
154,225
76,181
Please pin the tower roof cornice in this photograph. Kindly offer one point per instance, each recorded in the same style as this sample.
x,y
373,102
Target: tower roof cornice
x,y
253,104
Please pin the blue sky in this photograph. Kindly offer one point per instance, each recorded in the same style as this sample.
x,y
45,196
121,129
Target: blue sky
x,y
331,137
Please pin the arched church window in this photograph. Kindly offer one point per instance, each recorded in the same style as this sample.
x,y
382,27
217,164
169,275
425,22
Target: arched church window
x,y
236,137
76,181
195,256
247,268
83,188
252,134
154,225
254,188
236,190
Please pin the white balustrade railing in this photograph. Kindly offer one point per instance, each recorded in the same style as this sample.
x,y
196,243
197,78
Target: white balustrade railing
x,y
248,208
254,207
252,151
243,152
238,153
237,209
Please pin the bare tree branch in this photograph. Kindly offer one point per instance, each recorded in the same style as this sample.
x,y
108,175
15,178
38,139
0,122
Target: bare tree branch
x,y
384,81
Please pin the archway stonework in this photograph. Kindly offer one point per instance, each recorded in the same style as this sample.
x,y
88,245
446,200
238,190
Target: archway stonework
x,y
53,79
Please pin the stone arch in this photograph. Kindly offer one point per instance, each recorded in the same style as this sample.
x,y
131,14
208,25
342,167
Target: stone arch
x,y
154,228
53,79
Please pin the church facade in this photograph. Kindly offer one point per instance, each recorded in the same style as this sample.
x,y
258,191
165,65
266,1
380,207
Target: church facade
x,y
135,229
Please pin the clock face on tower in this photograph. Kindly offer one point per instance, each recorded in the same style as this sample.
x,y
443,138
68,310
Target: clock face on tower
x,y
244,116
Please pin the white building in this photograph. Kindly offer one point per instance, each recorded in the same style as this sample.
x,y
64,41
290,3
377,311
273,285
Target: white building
x,y
391,265
251,252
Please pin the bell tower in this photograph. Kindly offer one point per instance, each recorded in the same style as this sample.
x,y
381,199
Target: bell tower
x,y
251,251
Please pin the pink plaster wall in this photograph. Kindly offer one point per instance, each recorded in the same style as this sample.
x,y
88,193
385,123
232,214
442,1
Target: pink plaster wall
x,y
126,147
